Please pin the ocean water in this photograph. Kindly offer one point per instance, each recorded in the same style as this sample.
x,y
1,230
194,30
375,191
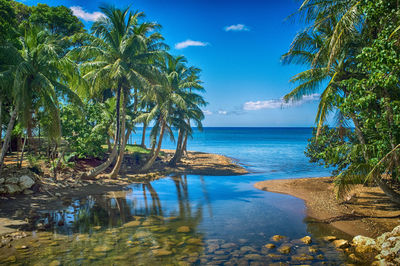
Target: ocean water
x,y
274,152
191,219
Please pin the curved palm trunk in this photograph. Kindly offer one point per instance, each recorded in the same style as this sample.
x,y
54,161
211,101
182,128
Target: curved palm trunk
x,y
178,152
8,136
184,147
389,192
154,156
143,145
124,140
102,167
1,121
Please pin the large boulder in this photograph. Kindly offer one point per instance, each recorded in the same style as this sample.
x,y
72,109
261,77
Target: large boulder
x,y
364,244
26,182
17,182
387,245
12,188
390,251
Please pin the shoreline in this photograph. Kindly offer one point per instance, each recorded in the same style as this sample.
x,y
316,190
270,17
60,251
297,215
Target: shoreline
x,y
366,211
17,210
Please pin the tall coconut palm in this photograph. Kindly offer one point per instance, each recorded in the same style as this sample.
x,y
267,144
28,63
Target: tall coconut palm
x,y
35,74
189,82
117,58
166,97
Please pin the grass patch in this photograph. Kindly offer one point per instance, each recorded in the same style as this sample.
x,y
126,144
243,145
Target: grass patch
x,y
136,149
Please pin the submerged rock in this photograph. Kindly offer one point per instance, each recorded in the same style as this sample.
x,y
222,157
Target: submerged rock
x,y
329,238
228,245
341,243
161,252
102,248
253,257
54,263
183,229
247,249
195,241
277,238
284,249
302,257
306,240
270,246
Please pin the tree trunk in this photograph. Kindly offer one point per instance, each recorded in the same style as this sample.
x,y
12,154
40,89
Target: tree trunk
x,y
102,167
1,121
153,158
109,148
184,147
8,136
392,194
29,129
389,192
178,152
123,141
22,152
143,145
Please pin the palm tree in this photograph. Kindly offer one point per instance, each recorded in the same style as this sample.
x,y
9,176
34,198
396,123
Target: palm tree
x,y
35,74
329,48
189,81
117,58
166,97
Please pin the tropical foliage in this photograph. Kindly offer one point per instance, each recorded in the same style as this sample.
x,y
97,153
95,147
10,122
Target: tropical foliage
x,y
351,53
83,91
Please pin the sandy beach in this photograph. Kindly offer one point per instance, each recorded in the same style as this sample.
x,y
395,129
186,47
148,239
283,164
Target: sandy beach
x,y
367,211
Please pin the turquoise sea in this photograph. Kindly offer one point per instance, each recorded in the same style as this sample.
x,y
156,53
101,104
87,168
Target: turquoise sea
x,y
274,152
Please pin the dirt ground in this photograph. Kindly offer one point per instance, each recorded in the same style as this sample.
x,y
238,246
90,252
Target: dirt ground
x,y
366,211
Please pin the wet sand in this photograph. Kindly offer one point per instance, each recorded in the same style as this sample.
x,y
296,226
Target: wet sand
x,y
366,211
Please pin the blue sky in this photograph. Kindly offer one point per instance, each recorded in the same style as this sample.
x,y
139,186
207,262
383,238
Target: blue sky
x,y
238,45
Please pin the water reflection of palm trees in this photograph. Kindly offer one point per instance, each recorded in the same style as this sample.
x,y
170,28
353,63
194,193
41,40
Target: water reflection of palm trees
x,y
119,207
135,223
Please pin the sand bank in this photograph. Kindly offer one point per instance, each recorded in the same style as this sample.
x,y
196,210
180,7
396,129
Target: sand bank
x,y
367,211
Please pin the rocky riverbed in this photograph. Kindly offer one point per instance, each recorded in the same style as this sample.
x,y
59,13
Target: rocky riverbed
x,y
167,240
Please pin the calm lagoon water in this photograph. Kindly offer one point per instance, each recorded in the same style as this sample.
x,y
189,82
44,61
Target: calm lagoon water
x,y
181,220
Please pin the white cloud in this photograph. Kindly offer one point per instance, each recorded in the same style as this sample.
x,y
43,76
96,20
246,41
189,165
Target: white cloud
x,y
278,103
188,43
207,112
222,112
80,13
237,27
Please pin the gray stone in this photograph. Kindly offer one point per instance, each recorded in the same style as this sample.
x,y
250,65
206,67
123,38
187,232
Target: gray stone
x,y
26,182
12,188
2,180
12,180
